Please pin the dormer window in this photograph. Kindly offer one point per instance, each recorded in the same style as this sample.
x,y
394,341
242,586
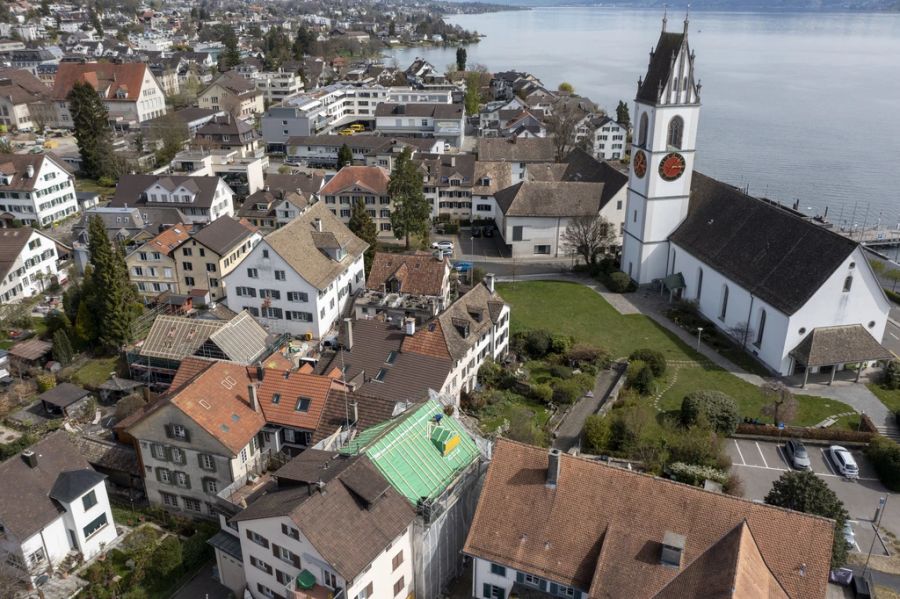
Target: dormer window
x,y
302,404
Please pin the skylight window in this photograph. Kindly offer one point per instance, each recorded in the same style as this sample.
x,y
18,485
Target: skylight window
x,y
276,398
380,376
391,358
303,404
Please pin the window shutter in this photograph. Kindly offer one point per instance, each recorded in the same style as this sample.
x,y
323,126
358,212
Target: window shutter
x,y
275,550
249,536
158,477
295,559
200,462
284,530
187,480
167,451
542,584
520,577
187,435
169,432
554,588
486,591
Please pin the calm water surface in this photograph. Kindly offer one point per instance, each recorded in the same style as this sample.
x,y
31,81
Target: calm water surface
x,y
799,106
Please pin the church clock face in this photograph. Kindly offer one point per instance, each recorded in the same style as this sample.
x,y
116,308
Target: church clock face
x,y
640,164
672,166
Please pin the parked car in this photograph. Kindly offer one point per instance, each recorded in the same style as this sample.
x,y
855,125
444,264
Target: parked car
x,y
841,576
346,131
849,535
797,454
476,231
843,461
357,127
462,266
443,245
489,231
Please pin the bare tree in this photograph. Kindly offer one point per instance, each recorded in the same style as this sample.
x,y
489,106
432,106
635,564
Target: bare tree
x,y
563,125
782,406
589,237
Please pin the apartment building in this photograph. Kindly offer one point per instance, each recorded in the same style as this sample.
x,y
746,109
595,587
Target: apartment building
x,y
354,183
211,253
202,199
233,94
153,266
28,263
36,189
24,100
446,122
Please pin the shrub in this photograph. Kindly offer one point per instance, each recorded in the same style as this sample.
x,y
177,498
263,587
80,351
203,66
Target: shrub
x,y
891,377
653,358
734,486
537,343
715,407
597,433
566,391
639,377
866,424
561,344
822,434
541,392
489,373
693,474
698,446
45,382
522,427
167,556
618,282
885,457
559,371
585,353
471,402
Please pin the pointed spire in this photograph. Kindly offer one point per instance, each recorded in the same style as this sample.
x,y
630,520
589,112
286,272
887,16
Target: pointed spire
x,y
665,16
687,18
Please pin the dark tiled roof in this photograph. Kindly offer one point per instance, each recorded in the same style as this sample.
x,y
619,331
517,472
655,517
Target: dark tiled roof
x,y
581,166
17,166
72,484
308,183
438,111
130,189
26,506
826,346
463,312
12,242
601,528
224,234
779,257
371,410
537,149
63,395
350,522
660,63
552,199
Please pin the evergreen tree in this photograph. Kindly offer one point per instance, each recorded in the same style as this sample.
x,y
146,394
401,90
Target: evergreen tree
x,y
461,57
410,210
473,98
344,157
232,55
113,299
303,42
95,21
62,347
622,115
85,326
392,28
363,226
91,127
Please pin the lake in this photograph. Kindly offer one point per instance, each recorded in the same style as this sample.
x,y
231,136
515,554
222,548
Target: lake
x,y
799,106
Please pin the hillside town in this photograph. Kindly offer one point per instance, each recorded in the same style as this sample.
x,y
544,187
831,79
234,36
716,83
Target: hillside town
x,y
280,319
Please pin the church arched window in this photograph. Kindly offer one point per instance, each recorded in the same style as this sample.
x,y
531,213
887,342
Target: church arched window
x,y
642,135
724,310
699,283
848,283
676,130
762,328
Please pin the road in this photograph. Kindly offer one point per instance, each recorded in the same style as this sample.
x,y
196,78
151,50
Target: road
x,y
760,463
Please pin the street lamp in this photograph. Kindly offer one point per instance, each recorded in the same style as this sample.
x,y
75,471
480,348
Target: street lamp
x,y
699,333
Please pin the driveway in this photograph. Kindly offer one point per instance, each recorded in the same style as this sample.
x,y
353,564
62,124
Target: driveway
x,y
203,586
760,463
481,248
568,433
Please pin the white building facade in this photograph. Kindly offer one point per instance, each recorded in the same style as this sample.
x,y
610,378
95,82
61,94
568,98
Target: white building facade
x,y
36,189
32,267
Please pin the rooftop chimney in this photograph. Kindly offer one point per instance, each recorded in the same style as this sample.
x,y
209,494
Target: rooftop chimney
x,y
355,406
349,341
317,223
29,171
30,458
553,468
489,281
254,400
453,161
672,549
409,325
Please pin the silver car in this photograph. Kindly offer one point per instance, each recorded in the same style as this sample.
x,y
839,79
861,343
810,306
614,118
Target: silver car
x,y
843,461
797,454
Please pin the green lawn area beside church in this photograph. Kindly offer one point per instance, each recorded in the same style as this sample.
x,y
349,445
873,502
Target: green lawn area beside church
x,y
576,310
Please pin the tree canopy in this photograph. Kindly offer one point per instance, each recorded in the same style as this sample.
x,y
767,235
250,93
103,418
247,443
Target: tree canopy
x,y
589,237
90,120
363,226
410,210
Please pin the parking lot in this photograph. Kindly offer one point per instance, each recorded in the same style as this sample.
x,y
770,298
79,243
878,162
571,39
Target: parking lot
x,y
760,463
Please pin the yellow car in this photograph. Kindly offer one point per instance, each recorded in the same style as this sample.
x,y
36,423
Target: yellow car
x,y
357,127
346,132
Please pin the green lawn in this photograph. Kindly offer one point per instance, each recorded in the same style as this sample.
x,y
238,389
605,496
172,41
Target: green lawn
x,y
95,372
573,309
889,397
90,185
492,416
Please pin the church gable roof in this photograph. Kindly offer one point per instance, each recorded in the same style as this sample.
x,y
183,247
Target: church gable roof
x,y
660,63
778,256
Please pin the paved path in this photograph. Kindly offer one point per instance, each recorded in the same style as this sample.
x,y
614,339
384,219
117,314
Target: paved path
x,y
568,433
652,305
203,586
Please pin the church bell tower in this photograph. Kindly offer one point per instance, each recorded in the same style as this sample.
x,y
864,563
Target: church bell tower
x,y
667,110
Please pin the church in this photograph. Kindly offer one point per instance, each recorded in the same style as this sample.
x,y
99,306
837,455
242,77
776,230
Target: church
x,y
798,296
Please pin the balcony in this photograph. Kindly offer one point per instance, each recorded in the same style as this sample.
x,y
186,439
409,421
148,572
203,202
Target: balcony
x,y
304,586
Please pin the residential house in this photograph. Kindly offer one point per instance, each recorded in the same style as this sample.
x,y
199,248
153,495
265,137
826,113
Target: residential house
x,y
433,461
230,134
202,199
36,189
206,258
153,266
352,183
608,138
128,226
28,263
565,526
284,198
490,177
32,59
322,150
130,92
24,101
442,121
494,113
279,84
191,118
233,94
518,152
298,279
174,339
447,184
405,285
200,437
57,506
332,526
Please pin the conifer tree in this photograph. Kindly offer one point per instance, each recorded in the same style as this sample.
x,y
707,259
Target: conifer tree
x,y
345,157
62,347
91,126
232,55
363,226
410,211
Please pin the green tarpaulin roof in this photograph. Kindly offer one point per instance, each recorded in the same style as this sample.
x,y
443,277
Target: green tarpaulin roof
x,y
403,451
674,281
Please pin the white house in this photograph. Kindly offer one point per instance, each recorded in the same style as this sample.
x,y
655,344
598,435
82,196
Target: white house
x,y
781,285
129,91
57,506
442,121
36,189
333,523
202,199
27,263
608,138
299,277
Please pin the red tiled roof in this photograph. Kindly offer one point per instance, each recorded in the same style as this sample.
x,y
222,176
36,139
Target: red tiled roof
x,y
169,239
417,274
103,76
290,387
371,178
428,340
